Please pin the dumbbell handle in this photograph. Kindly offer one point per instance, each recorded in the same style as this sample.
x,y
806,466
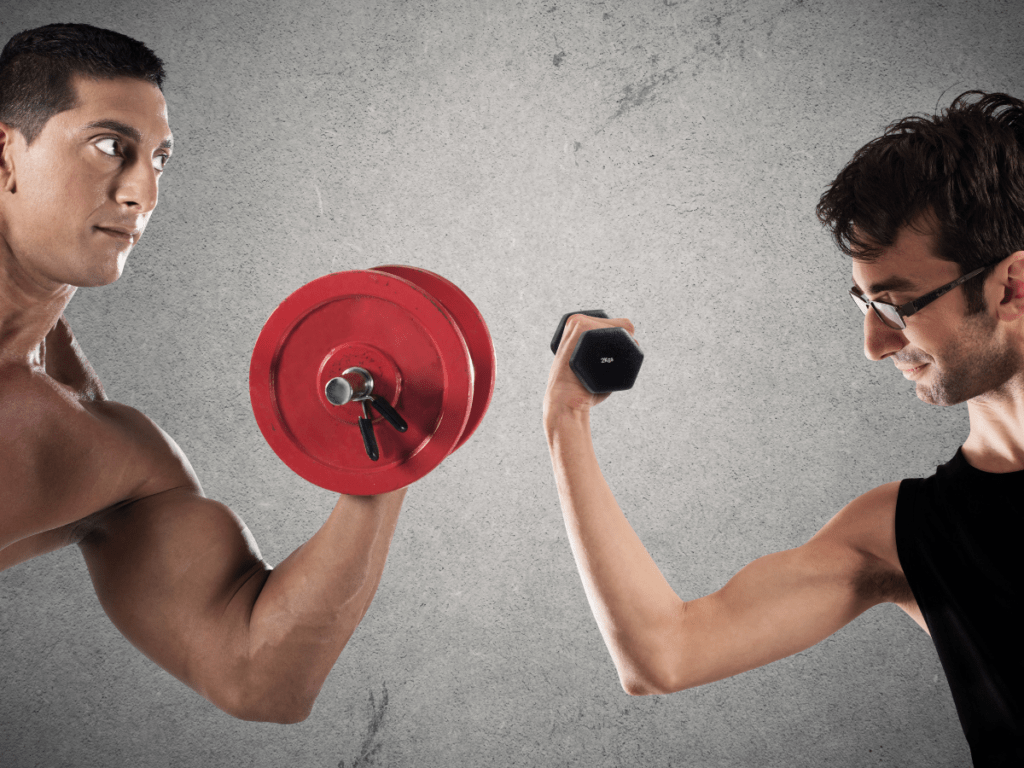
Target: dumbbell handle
x,y
339,391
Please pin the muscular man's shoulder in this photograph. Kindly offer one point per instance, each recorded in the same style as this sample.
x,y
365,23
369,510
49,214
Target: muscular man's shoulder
x,y
64,458
866,530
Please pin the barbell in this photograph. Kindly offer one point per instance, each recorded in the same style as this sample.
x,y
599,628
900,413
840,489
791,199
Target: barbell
x,y
364,381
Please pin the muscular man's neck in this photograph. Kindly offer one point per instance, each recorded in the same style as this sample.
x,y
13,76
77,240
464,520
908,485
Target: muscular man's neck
x,y
29,309
996,440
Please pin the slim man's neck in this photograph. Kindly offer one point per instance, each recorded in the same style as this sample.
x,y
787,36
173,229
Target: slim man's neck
x,y
996,440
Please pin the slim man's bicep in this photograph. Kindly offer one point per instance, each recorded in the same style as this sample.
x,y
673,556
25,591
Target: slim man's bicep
x,y
786,601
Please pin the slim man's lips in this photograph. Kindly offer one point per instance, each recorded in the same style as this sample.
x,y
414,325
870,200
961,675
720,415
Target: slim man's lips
x,y
911,373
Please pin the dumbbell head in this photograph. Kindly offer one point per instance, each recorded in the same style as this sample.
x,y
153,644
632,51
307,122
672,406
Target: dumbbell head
x,y
605,359
561,325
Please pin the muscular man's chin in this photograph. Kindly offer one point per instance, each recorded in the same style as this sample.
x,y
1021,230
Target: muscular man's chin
x,y
94,281
103,275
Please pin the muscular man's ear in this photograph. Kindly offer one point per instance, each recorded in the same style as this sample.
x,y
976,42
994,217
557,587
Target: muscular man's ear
x,y
1011,306
7,137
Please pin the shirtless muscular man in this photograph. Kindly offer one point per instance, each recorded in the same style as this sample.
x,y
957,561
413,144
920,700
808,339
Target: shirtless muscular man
x,y
84,139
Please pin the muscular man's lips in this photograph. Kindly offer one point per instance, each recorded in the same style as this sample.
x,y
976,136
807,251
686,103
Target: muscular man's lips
x,y
123,233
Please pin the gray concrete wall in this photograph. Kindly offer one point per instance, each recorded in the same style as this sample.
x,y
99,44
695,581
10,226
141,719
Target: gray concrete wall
x,y
661,159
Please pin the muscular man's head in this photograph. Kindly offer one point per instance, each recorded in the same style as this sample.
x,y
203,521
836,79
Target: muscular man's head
x,y
83,141
38,67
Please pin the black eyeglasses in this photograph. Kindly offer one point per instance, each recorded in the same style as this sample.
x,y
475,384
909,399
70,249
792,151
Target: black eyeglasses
x,y
893,316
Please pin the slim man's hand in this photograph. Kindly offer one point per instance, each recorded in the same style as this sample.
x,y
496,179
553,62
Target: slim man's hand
x,y
565,393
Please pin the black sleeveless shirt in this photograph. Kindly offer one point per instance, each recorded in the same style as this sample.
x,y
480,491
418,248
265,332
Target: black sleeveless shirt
x,y
965,565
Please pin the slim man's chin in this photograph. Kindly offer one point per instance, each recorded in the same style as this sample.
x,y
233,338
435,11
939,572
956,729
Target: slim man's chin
x,y
930,396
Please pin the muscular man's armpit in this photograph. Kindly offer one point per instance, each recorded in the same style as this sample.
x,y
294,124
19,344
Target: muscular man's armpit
x,y
46,541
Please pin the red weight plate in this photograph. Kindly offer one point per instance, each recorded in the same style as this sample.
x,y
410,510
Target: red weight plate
x,y
410,345
474,331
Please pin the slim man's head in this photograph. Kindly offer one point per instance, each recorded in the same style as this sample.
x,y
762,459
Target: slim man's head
x,y
38,68
960,173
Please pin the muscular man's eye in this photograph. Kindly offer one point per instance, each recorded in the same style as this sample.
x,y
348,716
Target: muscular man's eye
x,y
160,161
109,147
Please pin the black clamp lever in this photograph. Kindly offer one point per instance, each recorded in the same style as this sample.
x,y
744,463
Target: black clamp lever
x,y
340,391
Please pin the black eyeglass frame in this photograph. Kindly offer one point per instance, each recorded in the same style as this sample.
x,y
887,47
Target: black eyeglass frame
x,y
902,311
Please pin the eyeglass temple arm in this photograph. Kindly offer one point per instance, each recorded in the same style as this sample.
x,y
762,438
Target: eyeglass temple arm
x,y
906,310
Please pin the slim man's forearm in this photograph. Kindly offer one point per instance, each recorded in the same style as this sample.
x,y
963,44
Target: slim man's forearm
x,y
636,609
313,601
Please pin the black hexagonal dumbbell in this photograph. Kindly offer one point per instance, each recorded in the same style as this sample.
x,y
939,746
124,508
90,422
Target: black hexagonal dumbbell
x,y
605,359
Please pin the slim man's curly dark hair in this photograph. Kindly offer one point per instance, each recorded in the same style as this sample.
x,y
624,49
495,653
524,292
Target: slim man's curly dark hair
x,y
957,175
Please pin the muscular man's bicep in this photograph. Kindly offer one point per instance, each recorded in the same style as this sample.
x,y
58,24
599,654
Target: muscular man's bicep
x,y
178,575
168,564
788,601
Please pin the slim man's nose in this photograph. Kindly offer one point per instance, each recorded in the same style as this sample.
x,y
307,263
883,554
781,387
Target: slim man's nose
x,y
880,340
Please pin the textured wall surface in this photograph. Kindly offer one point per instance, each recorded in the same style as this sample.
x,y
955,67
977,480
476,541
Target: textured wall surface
x,y
659,158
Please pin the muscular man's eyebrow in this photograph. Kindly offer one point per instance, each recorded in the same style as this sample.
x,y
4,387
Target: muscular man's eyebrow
x,y
889,284
126,130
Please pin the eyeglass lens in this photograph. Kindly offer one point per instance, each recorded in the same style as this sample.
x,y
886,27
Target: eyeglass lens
x,y
886,312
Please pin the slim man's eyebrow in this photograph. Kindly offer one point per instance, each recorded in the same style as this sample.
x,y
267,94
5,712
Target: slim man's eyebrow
x,y
126,130
890,284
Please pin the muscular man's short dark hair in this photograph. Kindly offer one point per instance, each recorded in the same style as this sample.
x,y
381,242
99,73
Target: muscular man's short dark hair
x,y
37,67
958,175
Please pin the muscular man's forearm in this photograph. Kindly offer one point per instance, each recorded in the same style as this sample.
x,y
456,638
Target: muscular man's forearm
x,y
637,611
181,577
313,601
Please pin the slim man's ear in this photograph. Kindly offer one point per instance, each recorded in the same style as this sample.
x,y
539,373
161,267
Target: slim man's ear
x,y
1011,306
7,138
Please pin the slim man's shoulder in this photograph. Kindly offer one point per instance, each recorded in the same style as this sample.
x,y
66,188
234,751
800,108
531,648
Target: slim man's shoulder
x,y
868,522
867,527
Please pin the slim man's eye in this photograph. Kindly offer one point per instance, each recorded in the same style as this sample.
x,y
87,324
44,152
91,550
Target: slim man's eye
x,y
160,161
108,146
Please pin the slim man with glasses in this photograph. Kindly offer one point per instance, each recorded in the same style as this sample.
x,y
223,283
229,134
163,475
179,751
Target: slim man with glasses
x,y
932,214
